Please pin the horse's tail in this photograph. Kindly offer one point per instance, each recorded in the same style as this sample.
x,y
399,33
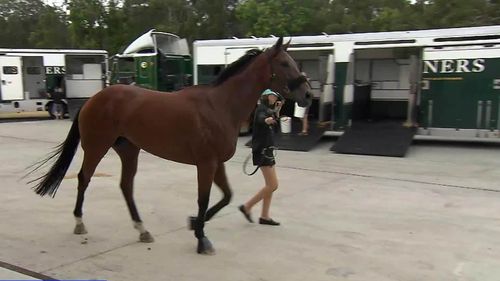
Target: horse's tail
x,y
49,183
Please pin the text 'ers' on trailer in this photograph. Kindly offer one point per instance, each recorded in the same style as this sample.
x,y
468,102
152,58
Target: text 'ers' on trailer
x,y
35,80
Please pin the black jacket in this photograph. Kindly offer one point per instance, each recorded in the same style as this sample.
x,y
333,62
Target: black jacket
x,y
263,134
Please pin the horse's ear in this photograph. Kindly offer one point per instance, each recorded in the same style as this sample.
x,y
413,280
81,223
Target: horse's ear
x,y
285,47
279,43
277,47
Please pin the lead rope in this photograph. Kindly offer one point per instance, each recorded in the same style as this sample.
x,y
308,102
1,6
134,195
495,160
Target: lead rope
x,y
245,163
245,166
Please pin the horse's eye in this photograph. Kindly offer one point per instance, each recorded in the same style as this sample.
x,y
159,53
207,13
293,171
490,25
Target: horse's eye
x,y
285,64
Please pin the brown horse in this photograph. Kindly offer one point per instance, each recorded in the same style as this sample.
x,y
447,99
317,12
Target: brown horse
x,y
198,125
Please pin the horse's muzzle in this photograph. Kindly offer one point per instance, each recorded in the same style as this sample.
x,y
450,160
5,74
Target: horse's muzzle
x,y
295,83
300,88
306,101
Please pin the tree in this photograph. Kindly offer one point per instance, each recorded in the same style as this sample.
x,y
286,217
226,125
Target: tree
x,y
112,24
278,17
368,16
393,15
115,30
213,18
86,23
139,18
51,30
19,19
455,13
175,16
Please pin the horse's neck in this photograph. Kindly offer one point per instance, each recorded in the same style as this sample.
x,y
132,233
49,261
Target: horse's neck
x,y
239,94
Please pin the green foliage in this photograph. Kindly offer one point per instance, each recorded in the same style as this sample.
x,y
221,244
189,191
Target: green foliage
x,y
278,17
113,24
51,29
457,13
115,31
214,18
18,19
369,15
86,23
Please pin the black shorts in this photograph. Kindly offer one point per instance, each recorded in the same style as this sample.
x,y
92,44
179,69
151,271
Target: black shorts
x,y
265,158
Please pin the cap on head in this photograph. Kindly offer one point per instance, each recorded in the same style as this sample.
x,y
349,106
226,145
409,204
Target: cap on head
x,y
271,92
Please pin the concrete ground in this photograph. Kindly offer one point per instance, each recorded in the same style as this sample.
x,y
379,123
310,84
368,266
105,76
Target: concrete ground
x,y
433,215
6,274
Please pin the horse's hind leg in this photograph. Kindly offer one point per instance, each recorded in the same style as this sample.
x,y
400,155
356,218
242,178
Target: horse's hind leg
x,y
221,181
91,159
129,154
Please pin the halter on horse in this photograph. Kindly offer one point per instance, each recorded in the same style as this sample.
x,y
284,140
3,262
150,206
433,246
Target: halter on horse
x,y
198,125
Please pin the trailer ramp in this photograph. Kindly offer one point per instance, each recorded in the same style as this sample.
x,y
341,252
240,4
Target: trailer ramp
x,y
381,138
296,142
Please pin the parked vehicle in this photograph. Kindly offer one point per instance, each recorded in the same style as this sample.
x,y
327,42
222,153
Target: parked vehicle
x,y
30,77
155,60
443,82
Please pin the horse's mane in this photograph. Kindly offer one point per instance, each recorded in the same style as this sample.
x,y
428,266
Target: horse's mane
x,y
237,66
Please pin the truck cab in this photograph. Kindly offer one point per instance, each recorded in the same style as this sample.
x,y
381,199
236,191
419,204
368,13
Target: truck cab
x,y
156,60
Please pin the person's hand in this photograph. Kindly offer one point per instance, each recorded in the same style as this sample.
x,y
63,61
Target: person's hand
x,y
277,108
270,121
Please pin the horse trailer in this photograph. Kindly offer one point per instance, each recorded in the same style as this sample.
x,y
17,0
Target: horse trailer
x,y
29,77
441,83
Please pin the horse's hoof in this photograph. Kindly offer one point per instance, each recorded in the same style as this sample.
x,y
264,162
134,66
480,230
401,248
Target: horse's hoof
x,y
205,247
80,229
146,237
192,222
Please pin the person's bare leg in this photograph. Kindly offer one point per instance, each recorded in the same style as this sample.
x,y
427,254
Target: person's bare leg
x,y
305,122
271,183
255,199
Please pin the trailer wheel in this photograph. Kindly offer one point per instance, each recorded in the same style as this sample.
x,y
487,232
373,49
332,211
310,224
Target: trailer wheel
x,y
65,111
49,108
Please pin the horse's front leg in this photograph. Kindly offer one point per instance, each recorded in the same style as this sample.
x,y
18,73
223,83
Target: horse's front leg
x,y
221,181
206,174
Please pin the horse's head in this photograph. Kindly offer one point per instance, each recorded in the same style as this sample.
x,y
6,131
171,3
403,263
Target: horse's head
x,y
285,75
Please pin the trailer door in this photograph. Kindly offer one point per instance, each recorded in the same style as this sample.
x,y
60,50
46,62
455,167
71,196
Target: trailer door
x,y
458,87
34,77
411,118
326,99
11,81
171,73
349,87
85,75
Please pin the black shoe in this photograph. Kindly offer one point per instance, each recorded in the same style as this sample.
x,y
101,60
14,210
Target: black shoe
x,y
268,222
247,215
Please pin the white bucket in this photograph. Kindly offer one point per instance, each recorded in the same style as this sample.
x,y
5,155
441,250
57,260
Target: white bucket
x,y
286,124
299,112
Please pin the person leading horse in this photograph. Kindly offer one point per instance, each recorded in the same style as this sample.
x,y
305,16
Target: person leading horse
x,y
198,125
